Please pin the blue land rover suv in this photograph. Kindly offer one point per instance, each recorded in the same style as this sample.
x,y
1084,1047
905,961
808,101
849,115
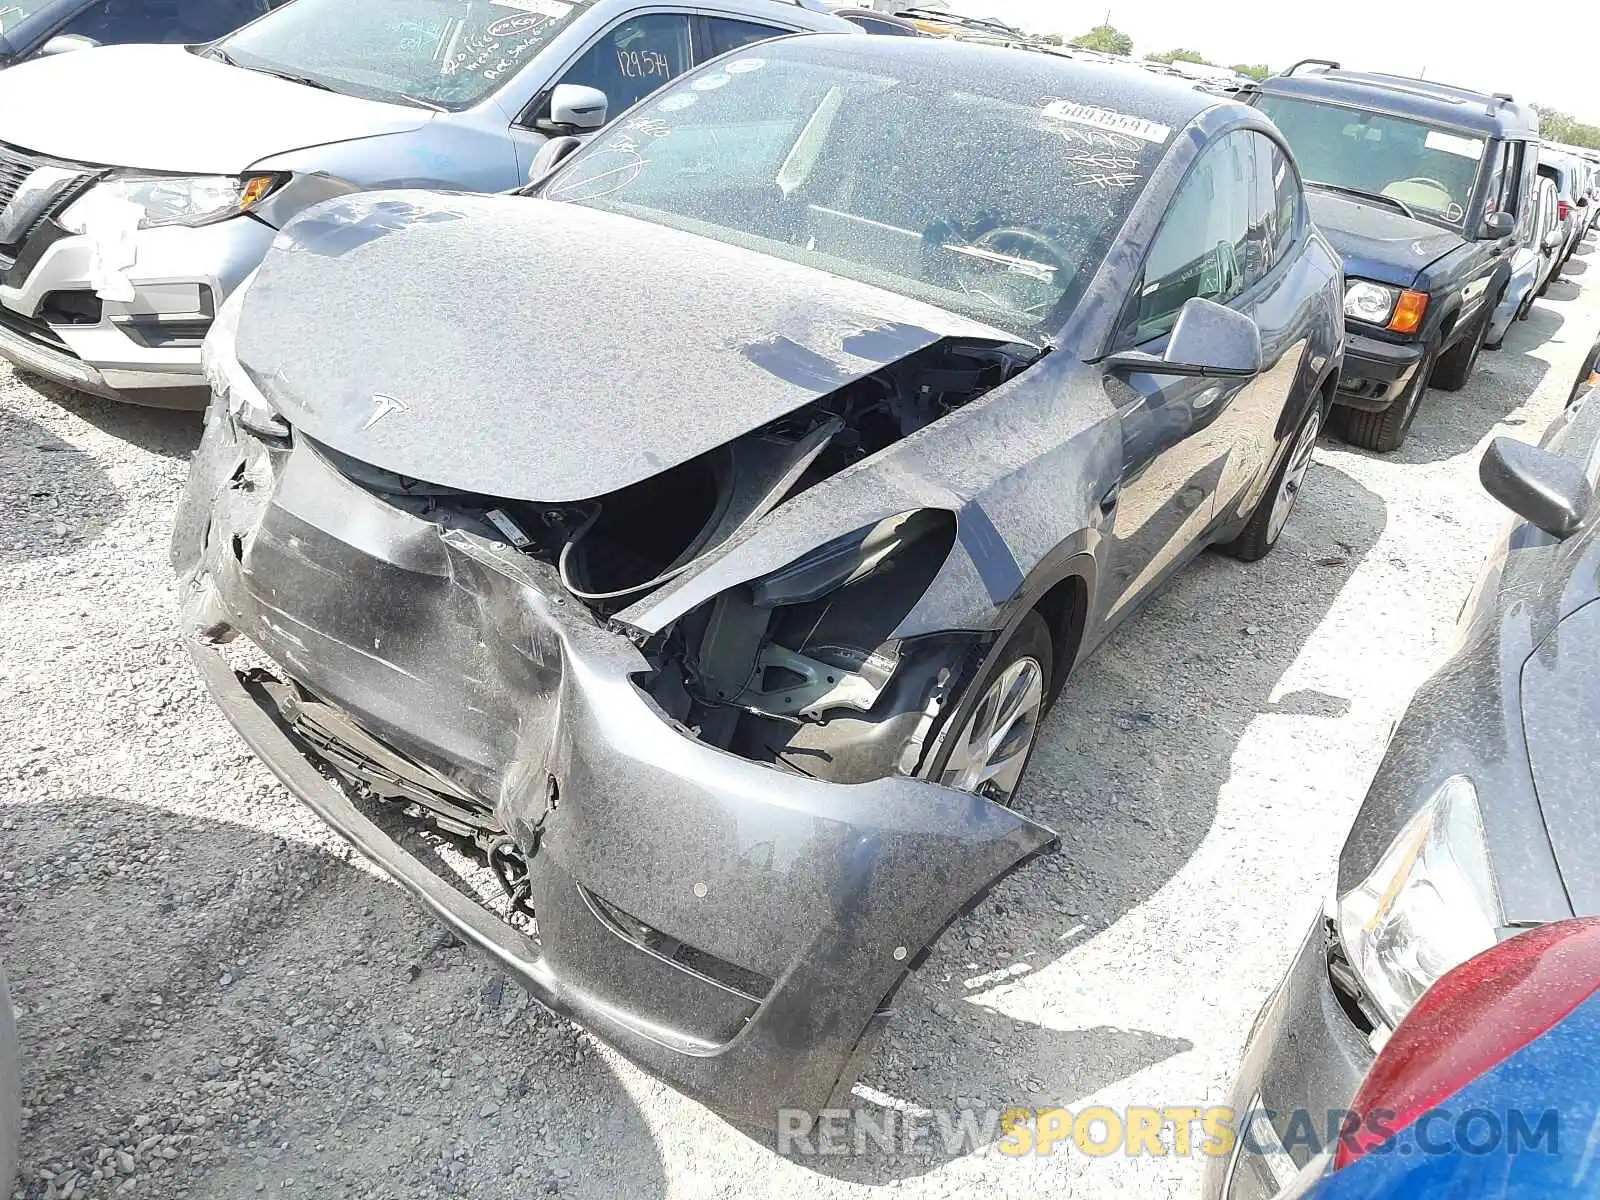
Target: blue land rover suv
x,y
1425,190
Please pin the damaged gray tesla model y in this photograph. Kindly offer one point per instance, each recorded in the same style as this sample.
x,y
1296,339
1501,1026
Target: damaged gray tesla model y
x,y
699,538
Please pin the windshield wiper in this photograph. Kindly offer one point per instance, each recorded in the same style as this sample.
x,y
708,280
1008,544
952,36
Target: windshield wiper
x,y
220,55
303,80
1365,195
420,102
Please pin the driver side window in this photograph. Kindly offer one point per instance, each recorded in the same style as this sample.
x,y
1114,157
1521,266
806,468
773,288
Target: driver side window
x,y
1203,246
633,59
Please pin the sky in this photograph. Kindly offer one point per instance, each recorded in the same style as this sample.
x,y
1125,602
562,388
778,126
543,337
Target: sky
x,y
1544,52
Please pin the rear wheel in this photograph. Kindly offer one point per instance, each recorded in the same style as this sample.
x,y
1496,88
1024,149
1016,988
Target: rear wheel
x,y
1386,430
1456,364
1273,509
990,751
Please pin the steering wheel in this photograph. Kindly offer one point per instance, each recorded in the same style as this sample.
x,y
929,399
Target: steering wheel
x,y
1425,181
1404,191
1020,244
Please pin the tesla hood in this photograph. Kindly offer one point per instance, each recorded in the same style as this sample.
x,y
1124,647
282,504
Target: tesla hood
x,y
534,350
1561,718
1377,242
162,108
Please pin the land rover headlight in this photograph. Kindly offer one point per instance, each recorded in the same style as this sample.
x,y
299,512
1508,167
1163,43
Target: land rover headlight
x,y
1429,905
1369,302
1400,311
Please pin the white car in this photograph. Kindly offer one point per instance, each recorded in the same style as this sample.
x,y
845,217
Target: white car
x,y
139,185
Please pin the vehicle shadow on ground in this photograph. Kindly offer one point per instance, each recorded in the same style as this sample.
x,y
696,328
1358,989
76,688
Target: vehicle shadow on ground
x,y
171,433
1577,265
281,1012
1452,423
55,496
1128,770
1562,290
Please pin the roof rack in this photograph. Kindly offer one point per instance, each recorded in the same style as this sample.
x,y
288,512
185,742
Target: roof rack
x,y
1325,63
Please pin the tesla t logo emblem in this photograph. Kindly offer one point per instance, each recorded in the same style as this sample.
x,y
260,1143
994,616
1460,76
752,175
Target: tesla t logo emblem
x,y
386,405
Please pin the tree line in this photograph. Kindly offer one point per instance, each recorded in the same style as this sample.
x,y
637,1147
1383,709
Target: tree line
x,y
1554,125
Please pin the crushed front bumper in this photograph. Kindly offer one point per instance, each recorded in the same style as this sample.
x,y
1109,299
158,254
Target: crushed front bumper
x,y
145,350
803,902
1374,373
1305,1056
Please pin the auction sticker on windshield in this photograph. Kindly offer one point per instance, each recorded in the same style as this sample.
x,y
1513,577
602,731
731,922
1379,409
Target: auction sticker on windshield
x,y
1452,143
1104,118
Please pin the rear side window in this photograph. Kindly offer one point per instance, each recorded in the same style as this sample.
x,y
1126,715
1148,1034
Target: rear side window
x,y
724,34
633,59
1203,244
117,22
1287,198
884,28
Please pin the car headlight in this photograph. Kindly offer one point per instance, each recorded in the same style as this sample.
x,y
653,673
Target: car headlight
x,y
170,199
1429,905
1400,311
1369,302
230,385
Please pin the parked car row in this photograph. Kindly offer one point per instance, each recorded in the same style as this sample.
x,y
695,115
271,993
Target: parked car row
x,y
1480,822
820,404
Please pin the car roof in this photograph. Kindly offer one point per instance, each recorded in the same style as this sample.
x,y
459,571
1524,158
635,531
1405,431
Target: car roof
x,y
1400,95
1164,100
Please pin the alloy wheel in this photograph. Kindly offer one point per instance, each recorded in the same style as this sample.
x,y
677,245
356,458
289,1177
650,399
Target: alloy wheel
x,y
1294,475
989,753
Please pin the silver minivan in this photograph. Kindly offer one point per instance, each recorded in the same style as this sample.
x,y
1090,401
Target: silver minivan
x,y
139,185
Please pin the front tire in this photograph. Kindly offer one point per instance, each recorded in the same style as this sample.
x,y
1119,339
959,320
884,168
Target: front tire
x,y
1386,430
1278,501
1456,365
991,750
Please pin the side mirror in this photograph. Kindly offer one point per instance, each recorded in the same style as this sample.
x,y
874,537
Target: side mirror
x,y
550,156
66,43
1552,240
1540,487
1209,341
1498,225
574,108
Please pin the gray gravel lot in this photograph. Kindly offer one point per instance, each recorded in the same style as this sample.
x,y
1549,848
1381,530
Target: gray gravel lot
x,y
216,999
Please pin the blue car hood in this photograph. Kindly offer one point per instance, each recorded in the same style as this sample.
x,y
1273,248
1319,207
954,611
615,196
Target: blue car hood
x,y
1379,243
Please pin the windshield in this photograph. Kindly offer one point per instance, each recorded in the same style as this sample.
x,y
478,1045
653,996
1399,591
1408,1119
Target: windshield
x,y
14,12
1430,170
979,191
444,53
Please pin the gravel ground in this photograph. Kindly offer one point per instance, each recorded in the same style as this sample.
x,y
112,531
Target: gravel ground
x,y
216,999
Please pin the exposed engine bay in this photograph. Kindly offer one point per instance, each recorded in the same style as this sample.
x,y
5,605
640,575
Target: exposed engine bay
x,y
760,668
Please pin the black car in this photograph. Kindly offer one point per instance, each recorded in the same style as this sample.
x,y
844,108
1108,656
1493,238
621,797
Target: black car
x,y
885,24
710,573
1482,819
35,27
1424,189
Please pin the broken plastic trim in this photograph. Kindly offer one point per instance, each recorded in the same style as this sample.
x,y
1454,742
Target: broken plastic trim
x,y
730,977
844,560
798,669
